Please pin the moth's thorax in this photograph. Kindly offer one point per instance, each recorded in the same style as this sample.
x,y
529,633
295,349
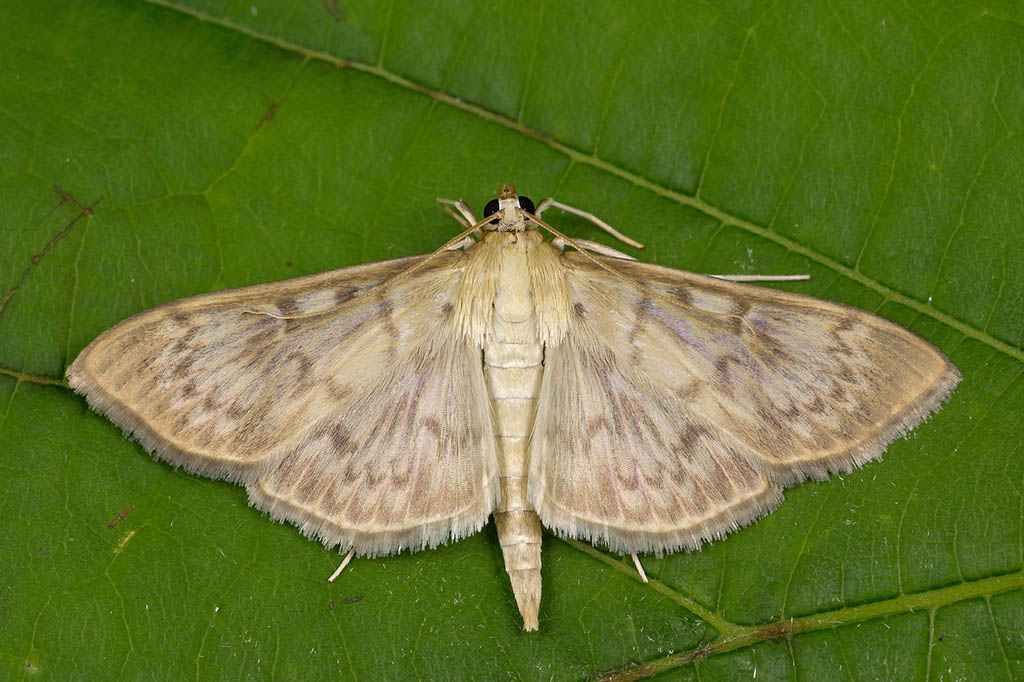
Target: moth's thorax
x,y
513,290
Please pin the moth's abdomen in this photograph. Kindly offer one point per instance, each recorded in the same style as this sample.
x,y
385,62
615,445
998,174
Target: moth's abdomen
x,y
513,372
502,303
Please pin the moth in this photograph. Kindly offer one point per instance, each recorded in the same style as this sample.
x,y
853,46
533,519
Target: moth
x,y
397,405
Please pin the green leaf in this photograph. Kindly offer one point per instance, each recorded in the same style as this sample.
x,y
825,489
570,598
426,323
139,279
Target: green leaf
x,y
154,151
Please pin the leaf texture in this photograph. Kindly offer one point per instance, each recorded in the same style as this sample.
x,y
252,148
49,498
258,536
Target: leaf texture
x,y
151,151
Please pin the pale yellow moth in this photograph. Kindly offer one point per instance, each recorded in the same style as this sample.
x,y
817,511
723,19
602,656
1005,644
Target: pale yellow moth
x,y
397,405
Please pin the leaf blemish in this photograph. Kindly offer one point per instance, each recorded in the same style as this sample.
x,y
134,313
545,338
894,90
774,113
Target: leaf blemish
x,y
124,541
120,517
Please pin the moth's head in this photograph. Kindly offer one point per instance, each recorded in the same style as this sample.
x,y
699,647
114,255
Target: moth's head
x,y
508,211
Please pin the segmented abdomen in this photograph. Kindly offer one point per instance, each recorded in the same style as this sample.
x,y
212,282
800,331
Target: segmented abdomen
x,y
513,373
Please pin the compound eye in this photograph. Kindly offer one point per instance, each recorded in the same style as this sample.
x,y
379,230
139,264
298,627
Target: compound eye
x,y
490,209
526,205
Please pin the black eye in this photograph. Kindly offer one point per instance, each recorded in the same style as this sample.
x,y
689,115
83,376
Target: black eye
x,y
490,209
526,205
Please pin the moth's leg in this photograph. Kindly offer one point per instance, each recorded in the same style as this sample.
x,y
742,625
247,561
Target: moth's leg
x,y
344,563
545,204
465,243
639,567
596,247
460,206
761,278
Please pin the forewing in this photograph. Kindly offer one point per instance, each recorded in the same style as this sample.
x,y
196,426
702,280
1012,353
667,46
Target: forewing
x,y
678,409
213,384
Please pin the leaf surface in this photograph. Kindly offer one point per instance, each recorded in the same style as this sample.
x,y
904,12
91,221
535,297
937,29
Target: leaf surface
x,y
150,151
